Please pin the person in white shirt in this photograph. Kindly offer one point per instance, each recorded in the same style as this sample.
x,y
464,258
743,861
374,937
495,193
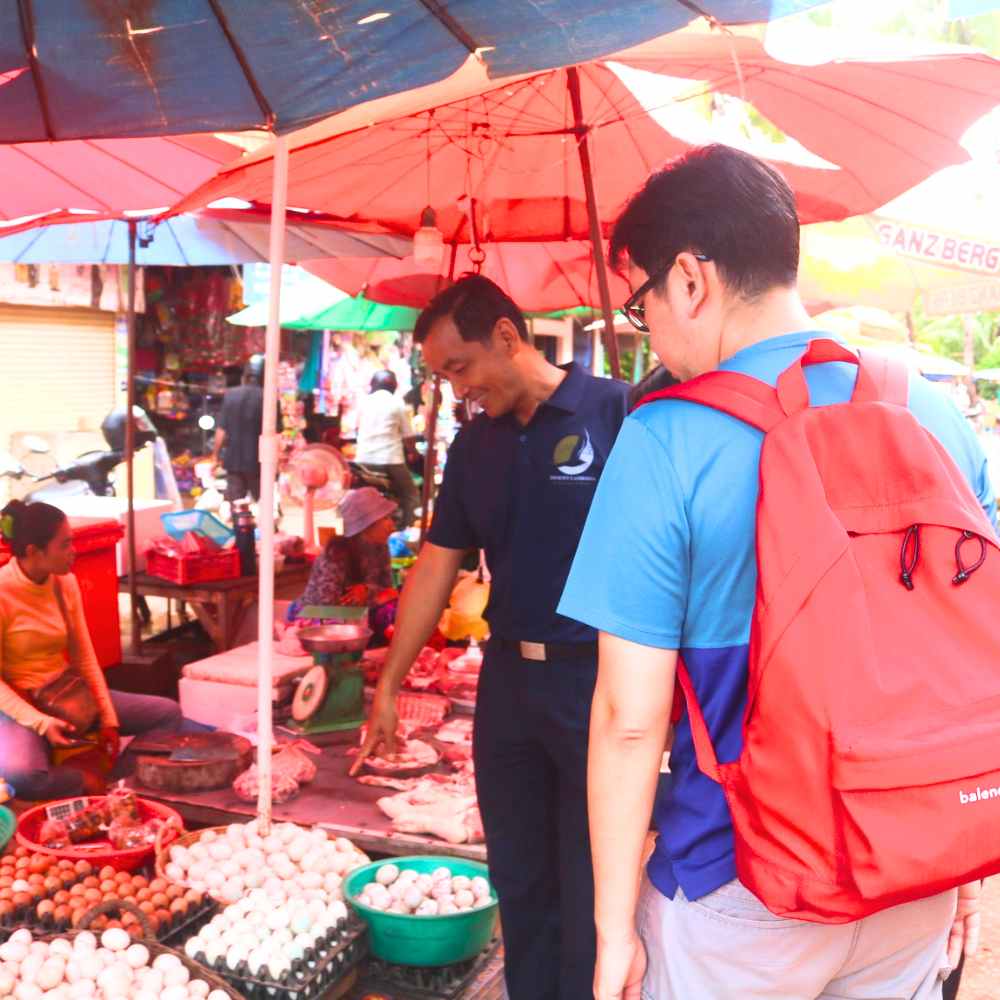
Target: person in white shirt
x,y
383,425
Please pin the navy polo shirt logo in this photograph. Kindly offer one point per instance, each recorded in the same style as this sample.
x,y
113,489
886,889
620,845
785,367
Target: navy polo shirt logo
x,y
573,456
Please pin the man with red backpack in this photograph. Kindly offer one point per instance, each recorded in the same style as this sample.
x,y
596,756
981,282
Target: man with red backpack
x,y
804,541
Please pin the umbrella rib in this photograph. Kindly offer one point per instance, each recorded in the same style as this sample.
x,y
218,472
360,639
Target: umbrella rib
x,y
107,245
258,93
437,11
35,237
28,34
156,178
173,235
18,148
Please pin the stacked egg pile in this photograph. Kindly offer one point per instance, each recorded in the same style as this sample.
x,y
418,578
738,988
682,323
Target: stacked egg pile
x,y
424,895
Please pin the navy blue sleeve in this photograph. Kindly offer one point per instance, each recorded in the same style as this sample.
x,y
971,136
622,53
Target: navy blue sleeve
x,y
450,527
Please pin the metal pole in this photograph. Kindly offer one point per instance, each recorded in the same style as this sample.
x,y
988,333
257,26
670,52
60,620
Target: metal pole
x,y
610,337
135,643
268,474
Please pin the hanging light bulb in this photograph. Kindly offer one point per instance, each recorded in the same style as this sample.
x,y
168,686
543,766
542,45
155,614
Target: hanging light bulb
x,y
428,242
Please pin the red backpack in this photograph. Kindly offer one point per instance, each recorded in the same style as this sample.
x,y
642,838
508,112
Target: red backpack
x,y
870,770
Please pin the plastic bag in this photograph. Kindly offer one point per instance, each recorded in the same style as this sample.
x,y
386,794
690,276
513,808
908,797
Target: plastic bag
x,y
54,834
247,786
126,836
123,806
291,761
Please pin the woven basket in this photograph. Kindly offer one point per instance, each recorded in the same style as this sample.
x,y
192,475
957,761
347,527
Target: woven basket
x,y
163,855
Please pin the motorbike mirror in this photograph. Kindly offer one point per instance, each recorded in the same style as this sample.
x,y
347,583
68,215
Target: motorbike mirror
x,y
36,444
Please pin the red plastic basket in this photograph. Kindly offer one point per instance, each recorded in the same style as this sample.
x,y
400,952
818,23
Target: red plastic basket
x,y
100,852
193,568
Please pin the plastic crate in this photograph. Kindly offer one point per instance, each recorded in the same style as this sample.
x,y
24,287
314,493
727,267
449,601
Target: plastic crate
x,y
178,523
192,568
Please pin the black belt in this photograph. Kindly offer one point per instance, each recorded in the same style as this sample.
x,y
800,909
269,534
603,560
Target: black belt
x,y
546,651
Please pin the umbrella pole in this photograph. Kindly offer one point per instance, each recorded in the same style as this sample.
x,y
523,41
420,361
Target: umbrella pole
x,y
133,596
609,335
268,474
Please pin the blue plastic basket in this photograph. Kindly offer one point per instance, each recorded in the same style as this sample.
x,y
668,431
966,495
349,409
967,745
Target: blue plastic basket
x,y
179,523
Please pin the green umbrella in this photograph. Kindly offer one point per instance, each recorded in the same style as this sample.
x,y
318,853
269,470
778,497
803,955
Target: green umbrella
x,y
359,314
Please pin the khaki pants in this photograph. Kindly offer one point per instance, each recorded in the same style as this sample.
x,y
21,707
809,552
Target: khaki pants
x,y
728,946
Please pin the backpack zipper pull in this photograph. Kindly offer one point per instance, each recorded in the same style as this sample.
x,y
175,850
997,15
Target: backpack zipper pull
x,y
908,560
964,572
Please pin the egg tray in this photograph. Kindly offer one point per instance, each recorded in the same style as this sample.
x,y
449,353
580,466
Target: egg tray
x,y
311,976
24,916
173,934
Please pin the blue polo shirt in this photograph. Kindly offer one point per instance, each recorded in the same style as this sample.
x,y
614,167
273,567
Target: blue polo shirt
x,y
668,560
522,494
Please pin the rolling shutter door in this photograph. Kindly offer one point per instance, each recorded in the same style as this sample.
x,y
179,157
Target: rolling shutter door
x,y
57,370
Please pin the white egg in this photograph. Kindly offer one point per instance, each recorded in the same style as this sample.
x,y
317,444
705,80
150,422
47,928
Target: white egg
x,y
232,889
14,951
221,850
208,837
447,907
277,918
178,992
464,899
50,975
137,955
83,989
441,874
30,967
428,908
27,991
387,874
217,995
7,982
198,988
22,936
288,832
299,848
193,947
237,832
215,880
61,947
272,843
85,941
480,887
198,852
234,957
442,890
90,966
317,835
115,980
174,872
145,995
365,900
176,975
180,855
397,906
425,883
413,897
166,961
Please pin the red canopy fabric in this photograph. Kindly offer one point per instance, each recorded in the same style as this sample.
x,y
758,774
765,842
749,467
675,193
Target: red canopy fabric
x,y
108,176
510,151
540,277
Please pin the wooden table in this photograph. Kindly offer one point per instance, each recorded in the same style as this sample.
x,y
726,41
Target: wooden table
x,y
221,605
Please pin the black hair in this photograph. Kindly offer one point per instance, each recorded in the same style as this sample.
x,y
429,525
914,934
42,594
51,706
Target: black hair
x,y
384,379
31,524
475,304
721,202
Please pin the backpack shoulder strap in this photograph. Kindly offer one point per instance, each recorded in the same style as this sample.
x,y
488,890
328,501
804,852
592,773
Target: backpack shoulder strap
x,y
741,396
891,377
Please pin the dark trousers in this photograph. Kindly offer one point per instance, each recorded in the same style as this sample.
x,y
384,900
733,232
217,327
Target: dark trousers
x,y
404,489
239,484
530,748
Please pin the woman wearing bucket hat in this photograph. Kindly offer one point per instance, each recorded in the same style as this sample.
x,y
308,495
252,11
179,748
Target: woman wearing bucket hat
x,y
359,558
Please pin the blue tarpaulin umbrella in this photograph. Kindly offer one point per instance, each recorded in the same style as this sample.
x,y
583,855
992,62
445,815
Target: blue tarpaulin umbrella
x,y
103,68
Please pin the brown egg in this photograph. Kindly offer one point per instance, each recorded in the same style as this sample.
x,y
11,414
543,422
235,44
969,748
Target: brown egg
x,y
39,863
135,931
106,872
77,890
154,923
6,909
179,906
128,919
140,882
143,894
22,863
7,871
160,900
62,914
163,916
114,923
92,882
175,891
193,897
66,864
147,907
45,908
22,899
62,896
82,867
99,923
123,877
158,885
76,916
21,852
93,896
53,884
108,886
6,892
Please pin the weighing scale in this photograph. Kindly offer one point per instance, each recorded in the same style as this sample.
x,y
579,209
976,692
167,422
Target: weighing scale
x,y
330,697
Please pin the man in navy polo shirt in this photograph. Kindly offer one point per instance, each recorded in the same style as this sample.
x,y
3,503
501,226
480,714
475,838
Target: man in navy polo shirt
x,y
518,484
667,566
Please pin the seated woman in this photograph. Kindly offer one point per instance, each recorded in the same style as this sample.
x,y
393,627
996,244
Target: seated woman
x,y
42,628
354,566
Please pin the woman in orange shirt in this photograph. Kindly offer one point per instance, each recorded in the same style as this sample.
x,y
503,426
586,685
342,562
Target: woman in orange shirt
x,y
41,629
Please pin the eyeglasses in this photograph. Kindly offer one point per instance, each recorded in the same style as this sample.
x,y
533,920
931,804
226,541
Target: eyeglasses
x,y
634,310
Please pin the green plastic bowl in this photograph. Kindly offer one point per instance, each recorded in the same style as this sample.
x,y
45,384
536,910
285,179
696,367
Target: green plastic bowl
x,y
8,824
425,941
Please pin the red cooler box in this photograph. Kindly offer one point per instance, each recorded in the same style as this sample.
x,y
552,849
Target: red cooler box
x,y
96,571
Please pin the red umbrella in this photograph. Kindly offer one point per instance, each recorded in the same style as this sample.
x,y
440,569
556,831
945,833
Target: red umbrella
x,y
109,176
540,277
